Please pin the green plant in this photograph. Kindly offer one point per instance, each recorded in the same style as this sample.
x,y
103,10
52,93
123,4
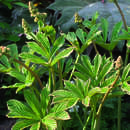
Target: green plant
x,y
42,68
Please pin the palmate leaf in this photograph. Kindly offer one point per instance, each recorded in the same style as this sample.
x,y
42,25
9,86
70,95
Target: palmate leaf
x,y
33,58
76,90
33,102
57,45
61,55
50,122
44,97
19,110
115,31
105,70
35,126
104,26
36,48
44,42
24,123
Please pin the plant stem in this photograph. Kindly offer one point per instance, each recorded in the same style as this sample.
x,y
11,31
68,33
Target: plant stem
x,y
106,94
60,75
122,15
127,56
87,120
74,66
95,48
111,55
78,117
119,114
50,88
53,79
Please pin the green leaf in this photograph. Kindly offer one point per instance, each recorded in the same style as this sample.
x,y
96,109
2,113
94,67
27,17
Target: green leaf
x,y
61,55
21,4
33,102
115,31
104,26
35,126
17,75
97,64
33,58
87,64
44,42
126,87
18,110
125,72
80,34
74,89
49,122
105,70
4,60
36,48
86,101
57,45
22,124
62,115
44,97
3,68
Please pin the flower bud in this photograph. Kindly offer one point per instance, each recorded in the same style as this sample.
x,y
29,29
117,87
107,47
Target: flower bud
x,y
26,26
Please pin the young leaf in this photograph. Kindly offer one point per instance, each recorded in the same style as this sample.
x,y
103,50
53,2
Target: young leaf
x,y
94,91
116,30
97,64
104,26
4,60
36,48
62,115
61,55
80,34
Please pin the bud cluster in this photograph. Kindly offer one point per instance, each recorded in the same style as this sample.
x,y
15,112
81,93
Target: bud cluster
x,y
78,19
3,50
26,26
34,13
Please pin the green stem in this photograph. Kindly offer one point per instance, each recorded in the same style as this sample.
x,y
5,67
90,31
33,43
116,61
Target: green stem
x,y
60,75
78,116
74,66
119,114
87,120
111,55
93,117
50,88
127,56
95,47
53,79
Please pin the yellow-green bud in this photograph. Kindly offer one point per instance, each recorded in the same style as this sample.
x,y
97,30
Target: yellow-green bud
x,y
26,26
78,19
118,62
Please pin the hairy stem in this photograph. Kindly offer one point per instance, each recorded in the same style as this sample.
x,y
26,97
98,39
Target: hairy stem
x,y
106,94
122,15
32,72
